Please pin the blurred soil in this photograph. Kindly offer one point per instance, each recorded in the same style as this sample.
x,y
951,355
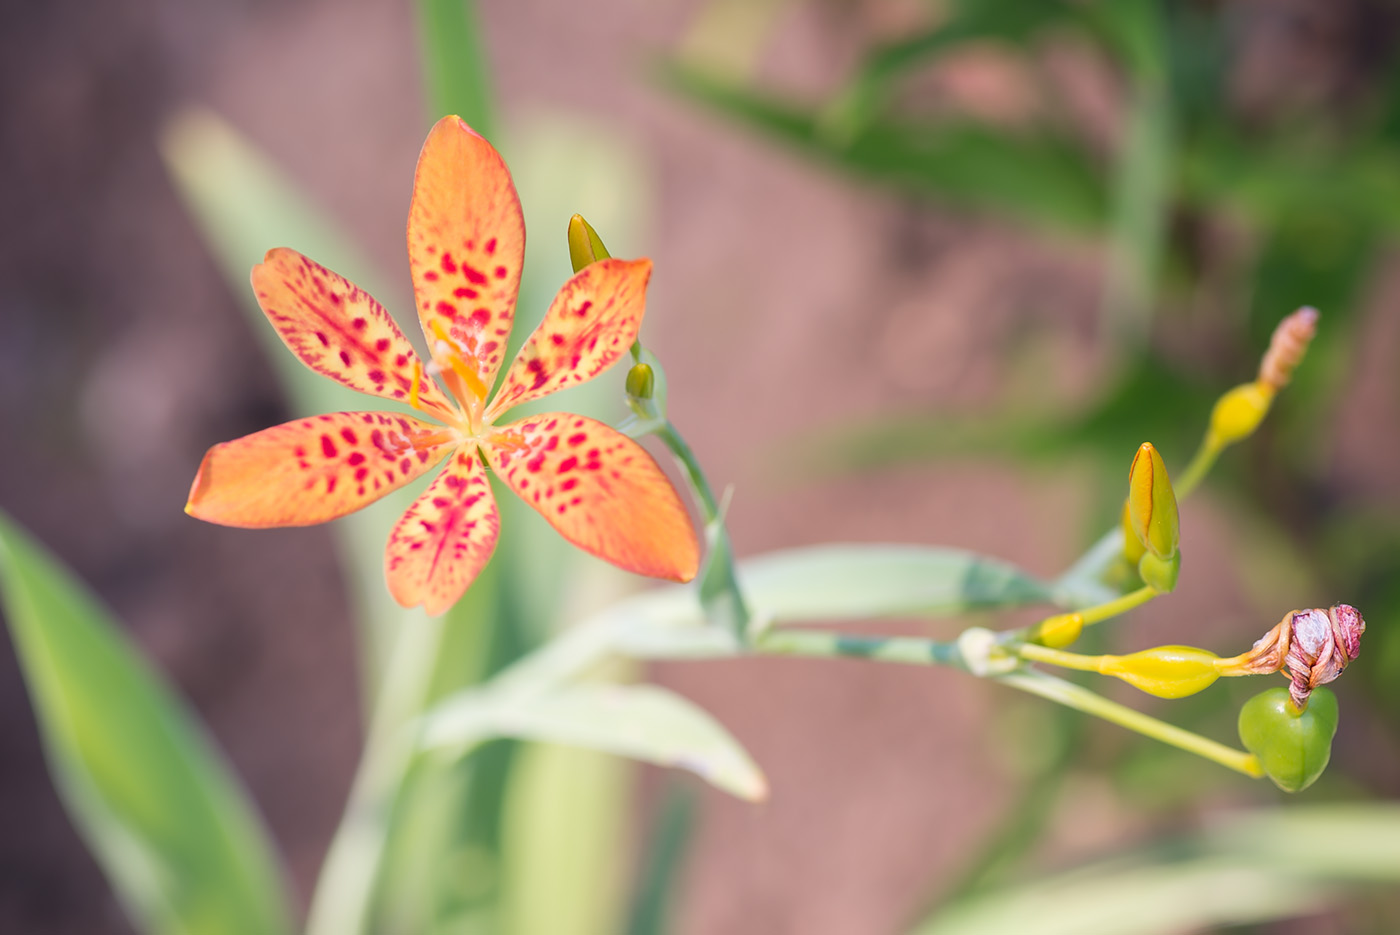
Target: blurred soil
x,y
792,300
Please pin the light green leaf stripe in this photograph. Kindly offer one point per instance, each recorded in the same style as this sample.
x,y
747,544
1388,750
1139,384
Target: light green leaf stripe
x,y
1250,868
853,582
644,722
170,826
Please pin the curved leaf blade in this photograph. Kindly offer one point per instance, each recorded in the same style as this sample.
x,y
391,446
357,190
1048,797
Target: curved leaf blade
x,y
643,722
169,824
851,582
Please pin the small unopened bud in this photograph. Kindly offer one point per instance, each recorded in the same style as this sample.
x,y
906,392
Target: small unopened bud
x,y
1160,574
1152,509
585,246
1238,413
1058,631
641,382
1287,347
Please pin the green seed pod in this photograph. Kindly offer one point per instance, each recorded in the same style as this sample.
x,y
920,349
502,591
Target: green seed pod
x,y
1293,746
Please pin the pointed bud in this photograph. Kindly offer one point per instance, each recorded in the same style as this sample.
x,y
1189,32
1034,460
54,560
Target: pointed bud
x,y
1152,503
1166,671
641,382
585,246
1238,413
1287,347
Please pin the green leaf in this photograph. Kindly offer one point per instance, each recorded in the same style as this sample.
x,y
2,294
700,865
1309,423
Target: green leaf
x,y
644,722
1035,174
454,63
1011,21
166,820
1249,868
243,204
852,582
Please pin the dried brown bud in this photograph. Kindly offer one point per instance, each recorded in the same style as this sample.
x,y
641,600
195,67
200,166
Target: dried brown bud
x,y
1311,646
1286,348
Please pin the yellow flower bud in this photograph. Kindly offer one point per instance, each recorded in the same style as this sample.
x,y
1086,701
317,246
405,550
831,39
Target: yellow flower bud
x,y
1166,671
585,246
1152,510
1059,630
1133,549
1238,413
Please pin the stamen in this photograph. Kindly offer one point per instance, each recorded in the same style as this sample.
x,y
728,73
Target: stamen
x,y
417,382
453,351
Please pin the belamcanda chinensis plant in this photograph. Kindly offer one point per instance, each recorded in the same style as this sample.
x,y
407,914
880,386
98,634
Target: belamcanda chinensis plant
x,y
604,493
466,242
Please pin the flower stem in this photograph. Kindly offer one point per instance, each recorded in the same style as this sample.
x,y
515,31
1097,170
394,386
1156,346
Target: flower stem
x,y
1199,467
1081,699
1119,605
829,644
672,439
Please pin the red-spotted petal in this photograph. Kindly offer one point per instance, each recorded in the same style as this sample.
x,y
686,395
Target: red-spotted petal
x,y
313,470
600,489
339,330
445,538
466,241
591,323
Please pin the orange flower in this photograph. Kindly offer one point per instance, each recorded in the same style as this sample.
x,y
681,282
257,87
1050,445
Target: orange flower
x,y
466,241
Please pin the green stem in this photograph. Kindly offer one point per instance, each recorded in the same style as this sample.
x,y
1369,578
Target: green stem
x,y
828,644
1119,605
678,447
345,890
1199,467
1081,699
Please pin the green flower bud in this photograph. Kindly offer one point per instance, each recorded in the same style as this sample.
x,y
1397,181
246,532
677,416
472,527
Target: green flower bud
x,y
1152,503
641,382
1293,746
1159,573
585,246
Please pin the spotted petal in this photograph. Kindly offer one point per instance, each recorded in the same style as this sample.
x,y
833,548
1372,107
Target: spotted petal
x,y
313,470
591,323
445,538
600,490
339,330
466,241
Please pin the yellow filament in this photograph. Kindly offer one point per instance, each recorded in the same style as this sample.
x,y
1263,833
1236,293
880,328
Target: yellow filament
x,y
458,365
413,388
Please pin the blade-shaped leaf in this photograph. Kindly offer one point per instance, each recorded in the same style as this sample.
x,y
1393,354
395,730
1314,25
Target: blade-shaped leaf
x,y
1035,174
1251,867
170,826
834,582
644,722
243,204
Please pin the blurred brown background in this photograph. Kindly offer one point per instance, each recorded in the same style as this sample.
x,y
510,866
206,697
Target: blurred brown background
x,y
786,299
